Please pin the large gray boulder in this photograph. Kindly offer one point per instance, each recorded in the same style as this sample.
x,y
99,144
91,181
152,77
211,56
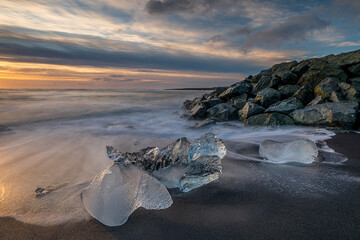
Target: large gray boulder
x,y
263,83
250,109
355,69
286,106
329,89
267,97
286,77
288,90
211,101
344,59
236,90
305,94
269,119
198,112
317,100
319,72
222,112
266,72
350,93
284,66
238,103
342,115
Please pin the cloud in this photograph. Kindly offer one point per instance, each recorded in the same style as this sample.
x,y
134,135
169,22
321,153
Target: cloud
x,y
176,6
243,31
296,28
113,78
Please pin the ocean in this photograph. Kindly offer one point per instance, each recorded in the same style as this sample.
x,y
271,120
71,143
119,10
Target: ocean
x,y
58,141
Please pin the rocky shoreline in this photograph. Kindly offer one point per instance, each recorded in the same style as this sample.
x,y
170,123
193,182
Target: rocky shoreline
x,y
321,92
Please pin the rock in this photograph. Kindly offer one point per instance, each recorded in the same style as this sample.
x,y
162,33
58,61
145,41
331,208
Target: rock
x,y
267,72
222,112
349,92
198,112
300,150
286,77
238,89
319,72
263,83
355,69
355,83
212,101
267,97
206,122
5,129
302,67
329,89
317,100
288,90
284,66
305,94
344,59
219,90
187,105
115,193
269,119
286,106
238,103
341,115
250,109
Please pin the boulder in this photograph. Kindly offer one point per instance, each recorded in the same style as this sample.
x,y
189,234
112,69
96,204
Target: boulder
x,y
250,109
355,69
263,83
288,90
286,77
344,59
286,106
269,119
267,97
212,101
319,72
198,112
238,89
206,122
220,90
317,100
329,89
284,66
305,94
256,78
302,67
342,114
222,112
349,92
355,83
238,103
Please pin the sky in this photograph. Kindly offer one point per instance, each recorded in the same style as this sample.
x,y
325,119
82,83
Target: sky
x,y
159,44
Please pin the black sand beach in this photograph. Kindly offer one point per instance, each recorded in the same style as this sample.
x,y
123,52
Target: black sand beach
x,y
267,201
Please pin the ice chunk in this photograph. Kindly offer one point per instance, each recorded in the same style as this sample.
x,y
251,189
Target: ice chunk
x,y
207,145
115,193
181,164
153,158
201,171
300,150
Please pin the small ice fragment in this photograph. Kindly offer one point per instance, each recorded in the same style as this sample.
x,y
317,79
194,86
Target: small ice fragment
x,y
115,193
201,171
41,192
301,150
207,145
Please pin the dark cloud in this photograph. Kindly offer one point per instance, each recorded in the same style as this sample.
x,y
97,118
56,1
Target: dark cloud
x,y
295,28
215,39
173,6
243,31
22,48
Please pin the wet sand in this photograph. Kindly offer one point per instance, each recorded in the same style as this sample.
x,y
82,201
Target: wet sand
x,y
252,200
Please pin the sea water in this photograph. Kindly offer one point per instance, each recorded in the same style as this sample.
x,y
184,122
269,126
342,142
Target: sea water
x,y
59,137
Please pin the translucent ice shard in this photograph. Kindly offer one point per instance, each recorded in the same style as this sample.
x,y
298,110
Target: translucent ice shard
x,y
207,145
301,150
114,194
181,164
201,171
